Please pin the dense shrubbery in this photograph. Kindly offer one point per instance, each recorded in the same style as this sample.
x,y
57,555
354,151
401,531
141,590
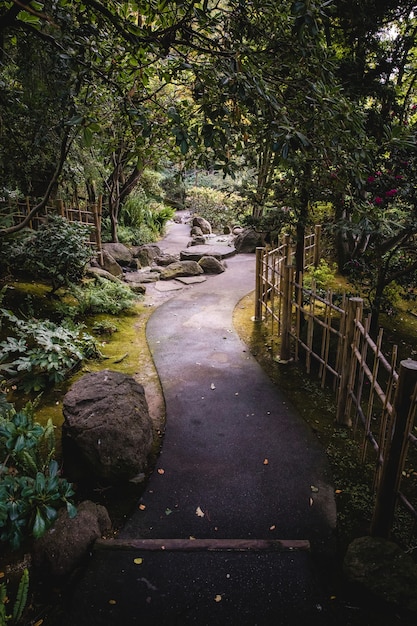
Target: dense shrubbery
x,y
218,207
58,252
37,354
31,489
102,296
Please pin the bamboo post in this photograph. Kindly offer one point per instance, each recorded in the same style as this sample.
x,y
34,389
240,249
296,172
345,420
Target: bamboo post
x,y
96,209
258,284
342,417
317,244
403,418
285,352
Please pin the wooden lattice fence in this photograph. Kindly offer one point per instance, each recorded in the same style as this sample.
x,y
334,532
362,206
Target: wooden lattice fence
x,y
332,338
14,210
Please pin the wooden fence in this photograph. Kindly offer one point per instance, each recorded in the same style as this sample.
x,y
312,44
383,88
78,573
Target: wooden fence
x,y
13,211
375,396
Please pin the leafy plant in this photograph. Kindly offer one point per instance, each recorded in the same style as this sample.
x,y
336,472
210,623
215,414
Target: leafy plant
x,y
219,208
103,296
41,353
323,276
31,489
58,252
19,604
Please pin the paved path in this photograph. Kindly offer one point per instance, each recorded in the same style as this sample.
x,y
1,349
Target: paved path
x,y
237,463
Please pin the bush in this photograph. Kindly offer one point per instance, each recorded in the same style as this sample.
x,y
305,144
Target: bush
x,y
31,489
217,207
58,252
323,276
103,296
38,354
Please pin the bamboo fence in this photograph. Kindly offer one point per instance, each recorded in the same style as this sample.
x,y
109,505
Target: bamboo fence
x,y
332,338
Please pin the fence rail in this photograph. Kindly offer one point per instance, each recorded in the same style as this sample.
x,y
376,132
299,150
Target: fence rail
x,y
14,211
332,337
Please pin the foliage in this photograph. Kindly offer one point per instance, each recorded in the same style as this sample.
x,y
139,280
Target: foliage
x,y
38,353
323,277
57,252
31,489
104,327
217,207
19,604
139,210
103,296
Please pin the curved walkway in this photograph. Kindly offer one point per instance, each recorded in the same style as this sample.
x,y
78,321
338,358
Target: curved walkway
x,y
241,499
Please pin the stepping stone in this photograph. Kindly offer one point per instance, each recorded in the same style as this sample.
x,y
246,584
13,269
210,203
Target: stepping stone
x,y
167,286
190,280
194,253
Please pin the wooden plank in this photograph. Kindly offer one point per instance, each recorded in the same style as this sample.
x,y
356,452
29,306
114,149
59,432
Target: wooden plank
x,y
192,545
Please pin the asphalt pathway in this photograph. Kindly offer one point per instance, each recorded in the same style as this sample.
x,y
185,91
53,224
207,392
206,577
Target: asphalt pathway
x,y
240,507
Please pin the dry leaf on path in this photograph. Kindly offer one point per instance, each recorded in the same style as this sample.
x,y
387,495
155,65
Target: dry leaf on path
x,y
199,512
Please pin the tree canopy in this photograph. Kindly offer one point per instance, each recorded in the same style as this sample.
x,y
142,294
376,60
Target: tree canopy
x,y
311,97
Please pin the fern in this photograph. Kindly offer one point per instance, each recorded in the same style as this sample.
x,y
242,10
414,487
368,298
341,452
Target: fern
x,y
21,597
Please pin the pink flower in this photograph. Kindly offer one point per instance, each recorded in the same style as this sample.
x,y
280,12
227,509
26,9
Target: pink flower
x,y
371,179
378,200
391,193
399,177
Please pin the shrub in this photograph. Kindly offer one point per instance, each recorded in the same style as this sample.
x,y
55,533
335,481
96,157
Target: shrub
x,y
217,207
57,252
41,353
323,276
103,296
31,489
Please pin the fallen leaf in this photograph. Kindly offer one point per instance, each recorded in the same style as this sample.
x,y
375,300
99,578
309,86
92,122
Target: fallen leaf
x,y
38,623
138,561
266,461
2,574
273,527
314,489
339,491
168,511
218,598
142,507
212,386
199,512
311,501
112,602
161,471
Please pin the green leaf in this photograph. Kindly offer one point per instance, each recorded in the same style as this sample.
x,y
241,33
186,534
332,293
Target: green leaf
x,y
39,526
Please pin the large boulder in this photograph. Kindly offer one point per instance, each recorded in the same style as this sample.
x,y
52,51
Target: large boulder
x,y
64,546
107,433
203,224
211,265
247,241
380,567
146,254
111,265
120,253
181,268
166,259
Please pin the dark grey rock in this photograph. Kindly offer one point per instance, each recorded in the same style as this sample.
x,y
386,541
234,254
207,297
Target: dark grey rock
x,y
146,254
211,265
107,433
247,241
63,547
111,265
181,268
203,224
120,253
